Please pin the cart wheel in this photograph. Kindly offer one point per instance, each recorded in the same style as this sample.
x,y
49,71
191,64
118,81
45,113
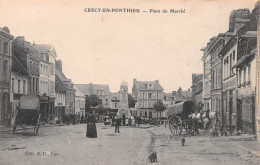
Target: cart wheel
x,y
190,128
36,128
14,126
175,125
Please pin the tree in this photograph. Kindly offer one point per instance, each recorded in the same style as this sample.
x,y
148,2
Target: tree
x,y
94,100
159,107
131,101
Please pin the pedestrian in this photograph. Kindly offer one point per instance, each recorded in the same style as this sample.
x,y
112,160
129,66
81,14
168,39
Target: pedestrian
x,y
130,121
117,120
123,117
91,127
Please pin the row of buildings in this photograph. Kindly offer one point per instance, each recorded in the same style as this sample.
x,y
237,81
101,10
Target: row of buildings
x,y
230,76
29,68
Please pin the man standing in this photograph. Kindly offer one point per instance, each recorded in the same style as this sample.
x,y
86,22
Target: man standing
x,y
123,117
117,120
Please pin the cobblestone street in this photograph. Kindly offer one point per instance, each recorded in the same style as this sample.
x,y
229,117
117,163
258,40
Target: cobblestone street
x,y
68,145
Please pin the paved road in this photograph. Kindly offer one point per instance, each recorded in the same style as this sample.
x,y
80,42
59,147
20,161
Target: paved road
x,y
68,145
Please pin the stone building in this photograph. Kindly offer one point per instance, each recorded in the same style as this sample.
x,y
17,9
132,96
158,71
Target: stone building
x,y
256,13
146,94
19,84
123,108
206,93
47,55
246,71
5,75
177,96
101,90
216,72
197,88
60,97
79,102
69,86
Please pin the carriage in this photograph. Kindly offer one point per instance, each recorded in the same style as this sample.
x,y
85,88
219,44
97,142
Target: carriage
x,y
181,117
28,112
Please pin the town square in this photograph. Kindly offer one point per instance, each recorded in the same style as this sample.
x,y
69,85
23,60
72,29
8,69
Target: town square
x,y
171,83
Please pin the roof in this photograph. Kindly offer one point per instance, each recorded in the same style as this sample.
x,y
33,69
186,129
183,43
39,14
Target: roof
x,y
151,85
59,86
78,92
89,89
60,74
32,51
17,67
44,48
228,46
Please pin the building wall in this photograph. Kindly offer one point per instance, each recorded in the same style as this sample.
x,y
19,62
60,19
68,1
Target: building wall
x,y
5,75
59,104
19,86
229,104
80,105
52,58
44,78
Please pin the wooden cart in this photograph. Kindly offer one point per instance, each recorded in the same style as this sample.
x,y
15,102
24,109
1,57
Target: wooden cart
x,y
28,112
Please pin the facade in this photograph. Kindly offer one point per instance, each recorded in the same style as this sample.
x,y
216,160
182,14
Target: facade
x,y
101,90
146,94
229,56
79,102
5,75
47,55
246,82
19,85
206,93
256,13
69,86
197,88
60,95
216,73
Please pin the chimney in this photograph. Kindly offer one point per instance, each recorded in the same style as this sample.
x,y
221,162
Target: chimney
x,y
6,29
19,41
240,14
91,89
58,64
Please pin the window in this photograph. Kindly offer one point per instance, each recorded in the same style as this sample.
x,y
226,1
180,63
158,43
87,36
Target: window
x,y
141,95
249,72
150,95
52,68
31,65
33,86
12,85
6,47
239,76
244,75
106,101
36,86
19,86
34,67
145,95
115,104
24,86
5,70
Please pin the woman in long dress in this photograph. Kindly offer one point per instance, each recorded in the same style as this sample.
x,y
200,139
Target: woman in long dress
x,y
91,127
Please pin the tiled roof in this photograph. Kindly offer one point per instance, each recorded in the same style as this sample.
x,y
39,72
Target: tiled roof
x,y
89,89
152,85
17,67
78,92
42,48
228,46
60,75
33,52
59,86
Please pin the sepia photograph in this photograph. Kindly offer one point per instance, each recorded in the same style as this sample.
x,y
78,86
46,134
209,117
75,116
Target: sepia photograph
x,y
95,82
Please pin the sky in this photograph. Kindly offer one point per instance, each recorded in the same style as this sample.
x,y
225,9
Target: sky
x,y
108,48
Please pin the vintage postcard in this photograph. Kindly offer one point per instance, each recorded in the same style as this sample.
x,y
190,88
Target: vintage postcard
x,y
129,82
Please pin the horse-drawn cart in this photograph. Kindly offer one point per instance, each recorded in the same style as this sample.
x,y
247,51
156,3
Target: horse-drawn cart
x,y
181,116
28,112
178,117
